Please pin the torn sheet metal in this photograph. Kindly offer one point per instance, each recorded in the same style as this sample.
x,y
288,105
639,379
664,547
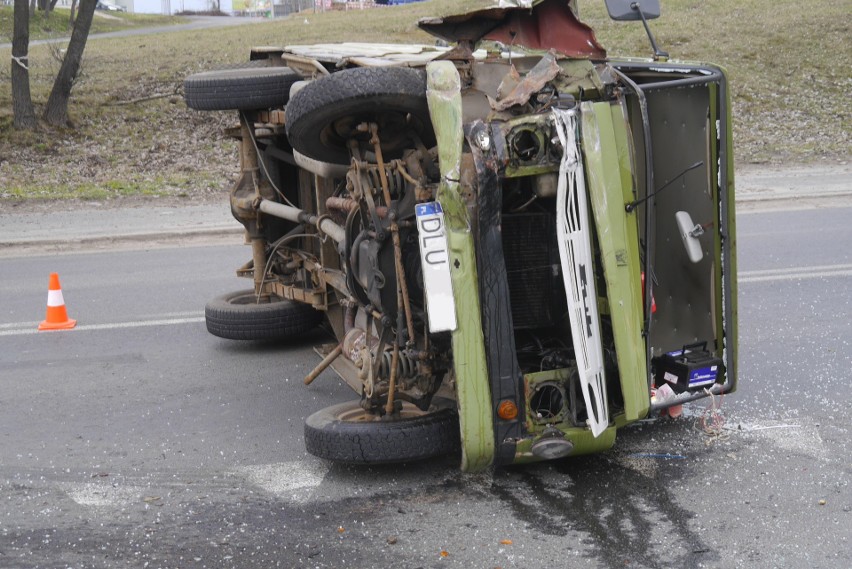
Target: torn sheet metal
x,y
386,53
381,54
540,24
544,71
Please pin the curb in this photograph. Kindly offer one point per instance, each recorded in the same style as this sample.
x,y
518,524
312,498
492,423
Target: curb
x,y
190,237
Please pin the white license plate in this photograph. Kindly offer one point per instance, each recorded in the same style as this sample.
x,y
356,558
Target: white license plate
x,y
435,260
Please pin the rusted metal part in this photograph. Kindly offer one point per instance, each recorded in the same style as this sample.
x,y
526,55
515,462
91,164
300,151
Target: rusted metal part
x,y
343,367
266,52
393,374
509,83
343,204
348,204
321,367
463,51
315,297
327,277
244,190
404,303
258,255
544,71
247,269
305,66
550,24
271,118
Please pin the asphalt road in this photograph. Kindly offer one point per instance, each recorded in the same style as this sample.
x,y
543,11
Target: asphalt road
x,y
138,440
192,23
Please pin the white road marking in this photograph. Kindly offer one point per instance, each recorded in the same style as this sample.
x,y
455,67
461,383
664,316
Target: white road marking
x,y
111,326
294,481
19,325
795,273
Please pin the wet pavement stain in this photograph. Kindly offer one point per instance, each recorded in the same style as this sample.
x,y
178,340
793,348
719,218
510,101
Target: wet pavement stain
x,y
624,518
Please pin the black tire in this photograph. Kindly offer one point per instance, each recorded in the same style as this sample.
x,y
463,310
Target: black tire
x,y
323,115
244,88
237,316
334,434
253,64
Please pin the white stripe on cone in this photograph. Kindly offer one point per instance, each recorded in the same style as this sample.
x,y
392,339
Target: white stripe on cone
x,y
54,298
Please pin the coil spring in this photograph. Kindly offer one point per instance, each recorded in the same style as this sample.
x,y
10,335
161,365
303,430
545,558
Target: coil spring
x,y
406,365
395,181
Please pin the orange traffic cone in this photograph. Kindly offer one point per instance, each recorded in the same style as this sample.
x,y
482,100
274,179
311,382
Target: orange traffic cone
x,y
56,317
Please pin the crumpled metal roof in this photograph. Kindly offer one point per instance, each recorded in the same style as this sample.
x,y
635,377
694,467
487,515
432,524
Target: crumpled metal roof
x,y
535,24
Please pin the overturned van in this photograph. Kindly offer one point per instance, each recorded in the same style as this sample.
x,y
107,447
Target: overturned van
x,y
519,243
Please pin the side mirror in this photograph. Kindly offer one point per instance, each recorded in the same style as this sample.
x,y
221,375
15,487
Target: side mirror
x,y
638,10
689,233
625,10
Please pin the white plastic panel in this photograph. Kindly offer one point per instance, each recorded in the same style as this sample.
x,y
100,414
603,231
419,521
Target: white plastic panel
x,y
575,252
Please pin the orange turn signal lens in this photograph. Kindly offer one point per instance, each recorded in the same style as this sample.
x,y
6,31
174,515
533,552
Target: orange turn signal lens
x,y
507,410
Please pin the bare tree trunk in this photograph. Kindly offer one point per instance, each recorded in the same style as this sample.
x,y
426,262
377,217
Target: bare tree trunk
x,y
22,103
51,4
32,7
73,12
56,111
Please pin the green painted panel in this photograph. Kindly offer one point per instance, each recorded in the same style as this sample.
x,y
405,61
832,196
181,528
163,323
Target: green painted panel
x,y
604,144
472,387
584,443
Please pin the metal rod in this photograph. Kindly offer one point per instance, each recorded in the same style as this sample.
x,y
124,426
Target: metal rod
x,y
326,361
327,226
397,248
393,372
258,255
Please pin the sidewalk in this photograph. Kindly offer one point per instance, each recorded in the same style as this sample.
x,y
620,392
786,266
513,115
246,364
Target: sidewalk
x,y
108,227
762,183
105,227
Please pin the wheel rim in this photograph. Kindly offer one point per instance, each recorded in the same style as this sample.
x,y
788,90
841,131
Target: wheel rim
x,y
394,127
252,298
359,415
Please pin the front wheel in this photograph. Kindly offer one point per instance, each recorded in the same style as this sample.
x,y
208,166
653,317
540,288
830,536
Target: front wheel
x,y
347,433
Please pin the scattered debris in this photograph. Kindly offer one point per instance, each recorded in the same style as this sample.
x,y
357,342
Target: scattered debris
x,y
664,455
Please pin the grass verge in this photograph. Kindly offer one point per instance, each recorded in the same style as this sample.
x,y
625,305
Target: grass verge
x,y
57,24
132,128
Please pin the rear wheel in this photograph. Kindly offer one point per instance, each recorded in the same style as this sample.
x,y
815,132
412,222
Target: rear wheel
x,y
242,315
347,433
324,115
245,88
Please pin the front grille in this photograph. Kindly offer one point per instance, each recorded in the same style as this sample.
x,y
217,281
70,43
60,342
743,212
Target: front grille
x,y
532,266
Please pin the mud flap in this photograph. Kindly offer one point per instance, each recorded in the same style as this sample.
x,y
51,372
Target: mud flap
x,y
575,252
472,387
